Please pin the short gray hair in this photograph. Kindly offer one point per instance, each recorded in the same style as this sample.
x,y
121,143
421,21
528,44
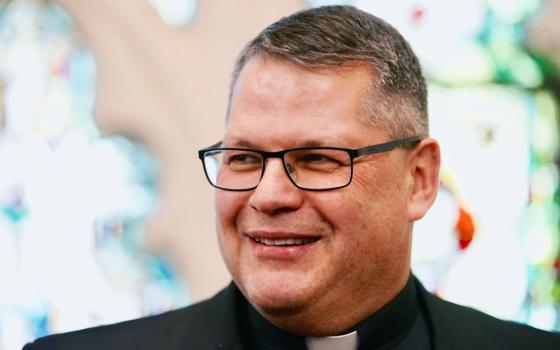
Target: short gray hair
x,y
334,36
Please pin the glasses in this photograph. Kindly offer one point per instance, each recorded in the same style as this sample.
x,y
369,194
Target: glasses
x,y
308,168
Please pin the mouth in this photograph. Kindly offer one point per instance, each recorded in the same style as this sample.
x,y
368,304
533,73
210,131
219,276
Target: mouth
x,y
281,245
284,242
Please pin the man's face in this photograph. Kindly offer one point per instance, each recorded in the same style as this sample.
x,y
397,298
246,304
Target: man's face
x,y
356,239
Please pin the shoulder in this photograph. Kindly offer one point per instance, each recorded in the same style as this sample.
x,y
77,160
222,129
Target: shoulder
x,y
164,331
459,327
142,331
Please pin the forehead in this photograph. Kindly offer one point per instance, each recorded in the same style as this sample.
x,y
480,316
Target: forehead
x,y
274,99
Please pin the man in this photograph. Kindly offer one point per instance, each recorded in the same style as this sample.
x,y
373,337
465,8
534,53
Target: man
x,y
325,165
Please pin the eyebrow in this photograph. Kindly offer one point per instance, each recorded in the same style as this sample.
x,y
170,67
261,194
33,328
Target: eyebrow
x,y
242,143
307,143
313,143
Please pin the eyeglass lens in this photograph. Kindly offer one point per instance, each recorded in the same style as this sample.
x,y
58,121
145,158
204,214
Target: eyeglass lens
x,y
307,168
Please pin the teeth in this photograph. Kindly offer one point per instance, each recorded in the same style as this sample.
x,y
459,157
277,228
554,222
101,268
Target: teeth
x,y
284,242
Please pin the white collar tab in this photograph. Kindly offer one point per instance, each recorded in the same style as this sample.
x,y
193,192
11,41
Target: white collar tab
x,y
339,342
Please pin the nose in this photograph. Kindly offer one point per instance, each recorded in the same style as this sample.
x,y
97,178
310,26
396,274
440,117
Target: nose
x,y
275,192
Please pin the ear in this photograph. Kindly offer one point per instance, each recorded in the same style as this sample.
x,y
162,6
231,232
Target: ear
x,y
423,161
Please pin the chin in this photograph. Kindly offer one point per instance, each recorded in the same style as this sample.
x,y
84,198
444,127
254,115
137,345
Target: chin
x,y
273,296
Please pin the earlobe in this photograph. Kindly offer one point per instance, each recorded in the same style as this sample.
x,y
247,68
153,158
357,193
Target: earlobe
x,y
424,162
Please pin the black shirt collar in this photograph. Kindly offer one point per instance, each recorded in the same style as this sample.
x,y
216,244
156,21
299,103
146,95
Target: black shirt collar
x,y
392,322
387,327
266,336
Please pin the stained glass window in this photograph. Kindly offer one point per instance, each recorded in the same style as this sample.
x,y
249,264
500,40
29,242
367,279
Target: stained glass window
x,y
73,202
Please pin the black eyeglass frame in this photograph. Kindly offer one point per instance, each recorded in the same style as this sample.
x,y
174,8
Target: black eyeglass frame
x,y
353,153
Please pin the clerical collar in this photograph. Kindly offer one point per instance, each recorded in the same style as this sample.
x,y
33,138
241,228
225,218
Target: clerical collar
x,y
348,341
387,327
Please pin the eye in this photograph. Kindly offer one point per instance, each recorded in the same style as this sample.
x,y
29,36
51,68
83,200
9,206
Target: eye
x,y
315,158
320,159
243,158
323,156
242,161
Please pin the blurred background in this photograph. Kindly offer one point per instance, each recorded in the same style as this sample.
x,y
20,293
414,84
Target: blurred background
x,y
105,214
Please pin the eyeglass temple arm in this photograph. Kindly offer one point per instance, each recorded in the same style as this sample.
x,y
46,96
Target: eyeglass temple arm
x,y
388,146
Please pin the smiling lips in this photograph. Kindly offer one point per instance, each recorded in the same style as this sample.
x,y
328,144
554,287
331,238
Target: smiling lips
x,y
281,246
281,239
284,241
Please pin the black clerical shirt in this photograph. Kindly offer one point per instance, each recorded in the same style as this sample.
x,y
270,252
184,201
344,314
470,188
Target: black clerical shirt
x,y
399,325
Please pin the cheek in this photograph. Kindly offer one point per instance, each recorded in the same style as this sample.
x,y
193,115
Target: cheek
x,y
371,229
364,245
372,210
382,185
385,198
228,204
